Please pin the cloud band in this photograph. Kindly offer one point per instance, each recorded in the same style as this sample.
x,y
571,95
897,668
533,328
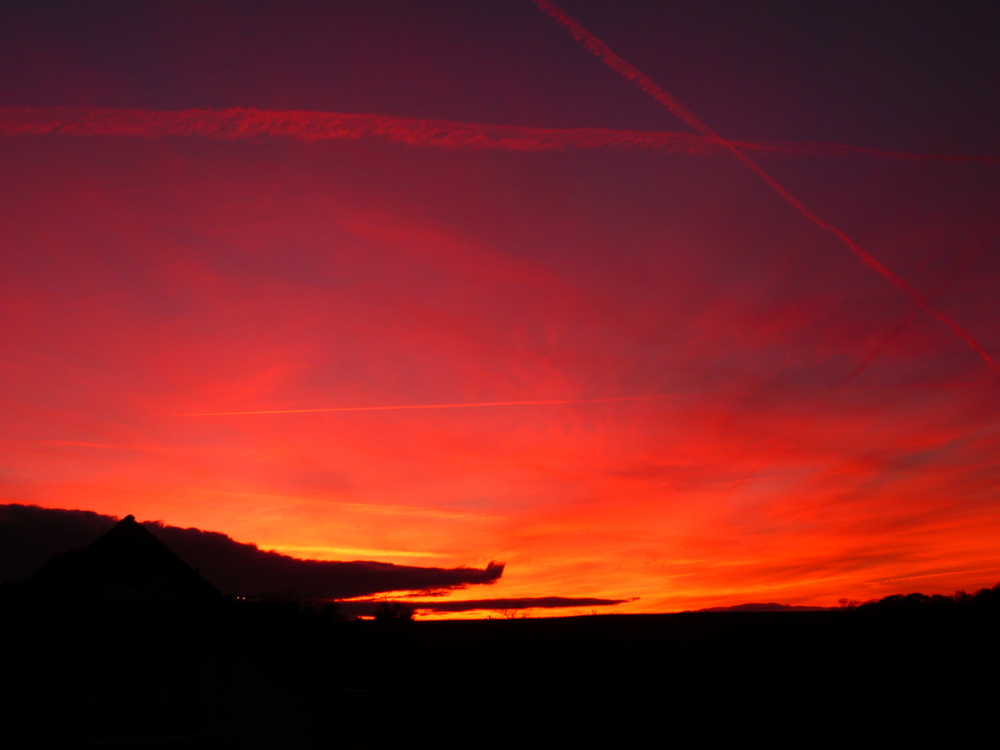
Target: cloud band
x,y
253,124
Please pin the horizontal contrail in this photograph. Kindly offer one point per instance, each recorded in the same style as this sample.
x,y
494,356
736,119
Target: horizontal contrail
x,y
427,406
252,124
661,95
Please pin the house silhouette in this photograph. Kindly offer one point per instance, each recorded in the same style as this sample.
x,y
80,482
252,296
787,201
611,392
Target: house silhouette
x,y
126,567
117,644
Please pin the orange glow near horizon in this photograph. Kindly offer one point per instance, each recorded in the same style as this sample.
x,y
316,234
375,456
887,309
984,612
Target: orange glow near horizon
x,y
710,401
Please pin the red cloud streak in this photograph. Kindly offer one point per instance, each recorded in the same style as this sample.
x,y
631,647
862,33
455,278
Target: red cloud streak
x,y
247,124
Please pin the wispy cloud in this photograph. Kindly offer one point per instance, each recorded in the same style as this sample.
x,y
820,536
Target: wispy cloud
x,y
560,402
508,607
251,124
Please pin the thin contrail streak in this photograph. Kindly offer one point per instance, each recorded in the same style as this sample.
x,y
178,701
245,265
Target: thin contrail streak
x,y
253,124
744,479
648,85
427,406
879,348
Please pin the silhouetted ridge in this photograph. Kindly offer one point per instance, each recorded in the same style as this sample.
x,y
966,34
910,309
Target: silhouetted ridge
x,y
125,565
984,599
763,607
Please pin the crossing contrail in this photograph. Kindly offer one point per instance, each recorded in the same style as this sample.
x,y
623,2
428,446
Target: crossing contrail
x,y
427,406
253,124
648,85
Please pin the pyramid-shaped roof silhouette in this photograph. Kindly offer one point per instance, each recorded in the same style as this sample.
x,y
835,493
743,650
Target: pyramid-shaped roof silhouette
x,y
127,565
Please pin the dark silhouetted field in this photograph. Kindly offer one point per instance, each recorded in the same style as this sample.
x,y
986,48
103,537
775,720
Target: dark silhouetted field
x,y
266,675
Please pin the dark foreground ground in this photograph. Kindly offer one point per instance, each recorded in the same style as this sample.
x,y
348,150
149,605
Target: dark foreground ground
x,y
266,676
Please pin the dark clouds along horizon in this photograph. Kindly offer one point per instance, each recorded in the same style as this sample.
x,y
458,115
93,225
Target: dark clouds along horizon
x,y
30,535
507,607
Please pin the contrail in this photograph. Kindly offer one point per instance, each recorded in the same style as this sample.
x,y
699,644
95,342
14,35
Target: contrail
x,y
428,406
745,478
823,148
253,124
647,84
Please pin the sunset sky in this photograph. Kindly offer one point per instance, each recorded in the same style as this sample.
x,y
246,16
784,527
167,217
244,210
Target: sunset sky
x,y
737,408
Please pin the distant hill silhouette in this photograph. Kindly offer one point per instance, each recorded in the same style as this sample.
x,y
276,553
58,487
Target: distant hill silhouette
x,y
987,600
30,536
984,599
767,607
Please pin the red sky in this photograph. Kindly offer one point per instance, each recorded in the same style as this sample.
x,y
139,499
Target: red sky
x,y
815,435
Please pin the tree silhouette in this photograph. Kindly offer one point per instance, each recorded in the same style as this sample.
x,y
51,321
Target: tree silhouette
x,y
393,612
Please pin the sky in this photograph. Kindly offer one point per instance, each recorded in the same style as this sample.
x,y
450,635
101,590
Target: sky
x,y
737,406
